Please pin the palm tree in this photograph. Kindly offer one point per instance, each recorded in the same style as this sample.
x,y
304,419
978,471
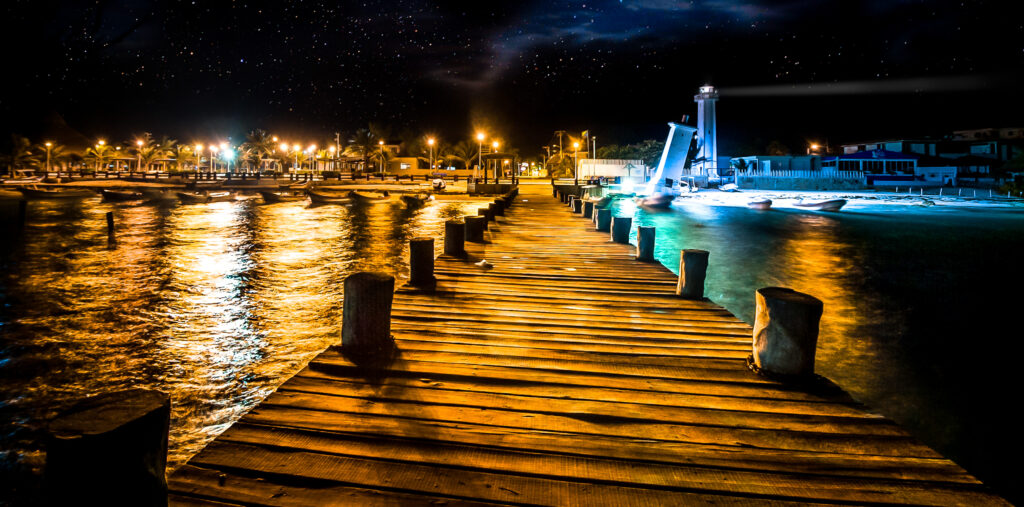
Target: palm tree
x,y
257,146
99,156
464,152
21,155
363,143
182,155
146,150
57,154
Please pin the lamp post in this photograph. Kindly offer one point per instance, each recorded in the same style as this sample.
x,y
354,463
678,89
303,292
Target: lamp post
x,y
138,151
575,160
430,143
332,150
213,159
48,146
494,147
295,150
199,151
479,155
313,164
381,144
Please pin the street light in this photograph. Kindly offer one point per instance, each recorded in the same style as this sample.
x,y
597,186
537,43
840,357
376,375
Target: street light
x,y
199,151
430,142
331,149
381,144
312,158
494,147
295,150
213,161
48,146
479,153
575,157
138,151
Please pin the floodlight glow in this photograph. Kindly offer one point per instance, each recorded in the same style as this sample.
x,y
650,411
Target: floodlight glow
x,y
284,147
229,154
480,136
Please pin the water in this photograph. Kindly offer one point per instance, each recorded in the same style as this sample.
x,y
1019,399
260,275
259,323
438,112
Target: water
x,y
923,304
216,304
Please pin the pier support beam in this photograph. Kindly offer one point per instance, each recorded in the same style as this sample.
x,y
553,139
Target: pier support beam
x,y
577,205
693,269
421,261
620,229
588,209
785,331
109,449
484,212
366,314
644,243
492,212
455,238
475,226
499,207
604,220
110,227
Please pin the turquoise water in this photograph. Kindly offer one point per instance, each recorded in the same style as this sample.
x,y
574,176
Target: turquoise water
x,y
923,305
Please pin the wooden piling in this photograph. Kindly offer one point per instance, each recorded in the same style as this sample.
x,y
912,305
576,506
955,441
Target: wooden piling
x,y
366,314
455,238
604,220
421,262
484,212
577,205
693,268
620,229
644,243
785,334
588,209
109,449
492,212
499,207
110,226
475,228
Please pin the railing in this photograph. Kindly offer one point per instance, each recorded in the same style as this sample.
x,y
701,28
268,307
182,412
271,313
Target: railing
x,y
805,174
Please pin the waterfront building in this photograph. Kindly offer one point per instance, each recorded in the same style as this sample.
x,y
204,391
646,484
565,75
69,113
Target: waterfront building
x,y
610,168
706,159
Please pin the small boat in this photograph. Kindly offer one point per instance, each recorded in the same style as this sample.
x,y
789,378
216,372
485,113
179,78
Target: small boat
x,y
56,193
729,187
829,205
122,196
414,200
369,199
656,200
763,204
438,184
199,198
282,196
327,198
295,185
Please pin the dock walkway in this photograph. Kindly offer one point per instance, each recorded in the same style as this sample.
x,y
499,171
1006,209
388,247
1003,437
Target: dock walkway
x,y
566,374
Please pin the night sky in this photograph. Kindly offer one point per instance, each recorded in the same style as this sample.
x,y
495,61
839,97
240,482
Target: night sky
x,y
793,71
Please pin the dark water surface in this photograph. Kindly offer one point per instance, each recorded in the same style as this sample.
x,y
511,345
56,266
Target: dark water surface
x,y
923,308
216,304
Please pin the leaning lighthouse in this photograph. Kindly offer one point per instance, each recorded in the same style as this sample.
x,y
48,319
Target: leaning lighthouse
x,y
707,132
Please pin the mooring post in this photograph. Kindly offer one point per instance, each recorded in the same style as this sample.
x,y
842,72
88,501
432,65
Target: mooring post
x,y
109,449
492,212
110,225
644,243
785,331
604,220
620,229
554,191
421,262
499,207
588,209
483,212
475,228
693,269
455,238
577,205
366,314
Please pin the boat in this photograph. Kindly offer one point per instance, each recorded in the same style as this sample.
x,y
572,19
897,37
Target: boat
x,y
729,187
414,200
762,204
438,184
369,199
121,195
327,198
199,198
829,205
656,200
56,193
282,196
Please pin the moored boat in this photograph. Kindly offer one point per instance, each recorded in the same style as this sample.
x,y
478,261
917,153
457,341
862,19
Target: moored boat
x,y
729,187
122,195
61,193
829,205
282,196
413,200
199,197
316,197
656,200
762,204
368,199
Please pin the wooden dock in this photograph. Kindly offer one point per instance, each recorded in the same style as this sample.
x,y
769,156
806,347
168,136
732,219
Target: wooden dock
x,y
566,374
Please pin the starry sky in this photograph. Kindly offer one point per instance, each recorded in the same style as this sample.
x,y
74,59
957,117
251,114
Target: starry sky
x,y
794,71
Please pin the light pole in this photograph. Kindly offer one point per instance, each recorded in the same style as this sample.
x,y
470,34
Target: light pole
x,y
575,159
213,160
313,164
494,146
332,150
199,151
430,142
479,155
381,144
138,151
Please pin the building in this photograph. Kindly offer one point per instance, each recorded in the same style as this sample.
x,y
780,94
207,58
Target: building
x,y
706,158
610,168
768,163
998,145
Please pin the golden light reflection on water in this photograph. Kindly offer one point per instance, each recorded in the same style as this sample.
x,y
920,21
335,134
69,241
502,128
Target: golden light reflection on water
x,y
215,303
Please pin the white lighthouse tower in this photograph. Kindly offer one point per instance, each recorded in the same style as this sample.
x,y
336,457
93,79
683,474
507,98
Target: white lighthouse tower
x,y
707,132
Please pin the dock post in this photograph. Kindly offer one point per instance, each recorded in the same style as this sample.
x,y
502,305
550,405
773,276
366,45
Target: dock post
x,y
554,191
109,449
577,205
588,209
475,228
499,207
492,212
421,262
110,226
604,220
644,243
484,212
366,314
693,269
455,238
620,229
785,331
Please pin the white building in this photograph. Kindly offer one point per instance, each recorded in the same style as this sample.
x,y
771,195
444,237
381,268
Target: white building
x,y
610,168
707,132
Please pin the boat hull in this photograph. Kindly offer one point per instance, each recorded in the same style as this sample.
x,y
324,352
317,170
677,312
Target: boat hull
x,y
120,196
32,193
272,197
760,205
661,201
322,198
830,205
